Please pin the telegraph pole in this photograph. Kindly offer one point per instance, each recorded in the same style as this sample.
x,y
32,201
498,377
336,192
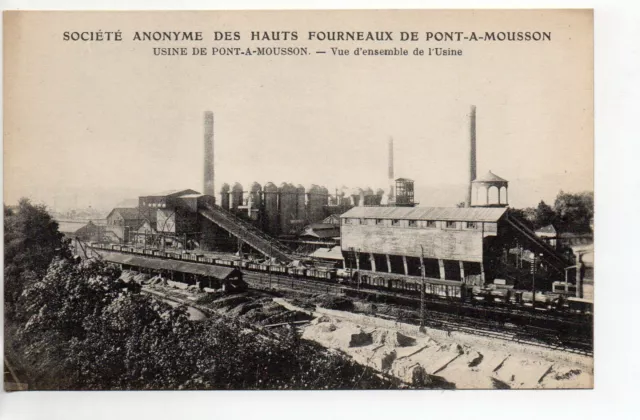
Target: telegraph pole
x,y
533,275
271,253
422,274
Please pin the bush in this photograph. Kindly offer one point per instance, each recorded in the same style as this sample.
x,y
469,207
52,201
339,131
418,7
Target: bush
x,y
335,302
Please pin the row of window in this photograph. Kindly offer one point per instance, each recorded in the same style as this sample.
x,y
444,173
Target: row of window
x,y
160,205
408,223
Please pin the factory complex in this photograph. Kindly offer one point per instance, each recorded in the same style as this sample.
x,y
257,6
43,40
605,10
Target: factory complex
x,y
378,239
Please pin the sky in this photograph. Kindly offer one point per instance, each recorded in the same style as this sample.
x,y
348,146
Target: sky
x,y
95,123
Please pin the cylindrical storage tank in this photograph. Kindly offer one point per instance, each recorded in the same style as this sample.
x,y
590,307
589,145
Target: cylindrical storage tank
x,y
355,196
368,196
288,205
345,196
340,198
324,201
314,203
224,196
378,197
236,196
256,195
270,197
301,209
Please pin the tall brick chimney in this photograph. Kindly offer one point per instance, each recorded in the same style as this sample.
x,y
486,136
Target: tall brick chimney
x,y
472,153
208,188
392,183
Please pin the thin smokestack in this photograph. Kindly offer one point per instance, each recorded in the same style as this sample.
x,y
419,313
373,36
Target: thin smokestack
x,y
392,194
208,188
472,152
391,158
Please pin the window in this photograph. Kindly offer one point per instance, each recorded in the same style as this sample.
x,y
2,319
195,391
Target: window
x,y
471,225
361,221
379,221
413,223
451,225
431,223
395,222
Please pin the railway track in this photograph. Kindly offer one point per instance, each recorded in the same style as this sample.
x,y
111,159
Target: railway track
x,y
523,334
274,281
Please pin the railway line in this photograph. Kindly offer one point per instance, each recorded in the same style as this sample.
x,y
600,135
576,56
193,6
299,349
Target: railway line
x,y
451,321
551,329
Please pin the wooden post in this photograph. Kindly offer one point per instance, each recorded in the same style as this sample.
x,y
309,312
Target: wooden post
x,y
404,263
423,274
441,266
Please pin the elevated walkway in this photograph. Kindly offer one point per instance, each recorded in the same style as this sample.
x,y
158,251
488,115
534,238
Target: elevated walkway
x,y
246,232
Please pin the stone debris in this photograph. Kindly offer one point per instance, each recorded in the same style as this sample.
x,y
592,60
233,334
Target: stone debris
x,y
436,360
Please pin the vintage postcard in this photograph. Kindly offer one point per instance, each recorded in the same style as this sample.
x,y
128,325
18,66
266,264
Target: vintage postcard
x,y
298,200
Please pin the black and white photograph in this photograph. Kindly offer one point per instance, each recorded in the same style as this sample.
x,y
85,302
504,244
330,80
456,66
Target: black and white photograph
x,y
298,200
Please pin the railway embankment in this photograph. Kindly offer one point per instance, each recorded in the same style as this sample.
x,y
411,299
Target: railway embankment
x,y
432,357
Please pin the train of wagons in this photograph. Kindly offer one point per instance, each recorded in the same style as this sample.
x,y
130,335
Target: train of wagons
x,y
434,288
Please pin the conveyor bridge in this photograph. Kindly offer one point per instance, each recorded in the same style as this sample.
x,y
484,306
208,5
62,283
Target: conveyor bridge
x,y
247,233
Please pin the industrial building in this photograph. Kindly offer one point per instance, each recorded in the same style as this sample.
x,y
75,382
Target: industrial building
x,y
477,244
376,234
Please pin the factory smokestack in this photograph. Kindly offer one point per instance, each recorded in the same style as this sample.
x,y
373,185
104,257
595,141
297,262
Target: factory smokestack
x,y
392,195
390,158
208,188
472,152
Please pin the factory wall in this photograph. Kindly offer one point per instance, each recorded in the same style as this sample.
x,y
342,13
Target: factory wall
x,y
454,244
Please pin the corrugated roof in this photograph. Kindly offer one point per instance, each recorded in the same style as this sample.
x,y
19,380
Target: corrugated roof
x,y
172,193
474,214
334,253
216,271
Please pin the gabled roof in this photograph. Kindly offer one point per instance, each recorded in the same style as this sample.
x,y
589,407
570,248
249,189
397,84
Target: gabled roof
x,y
139,215
172,193
490,177
471,214
332,219
127,213
547,229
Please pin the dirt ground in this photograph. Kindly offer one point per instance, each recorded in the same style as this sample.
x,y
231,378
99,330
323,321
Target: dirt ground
x,y
447,359
432,358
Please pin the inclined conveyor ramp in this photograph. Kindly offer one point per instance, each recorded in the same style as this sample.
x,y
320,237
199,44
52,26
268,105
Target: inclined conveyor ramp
x,y
548,252
246,232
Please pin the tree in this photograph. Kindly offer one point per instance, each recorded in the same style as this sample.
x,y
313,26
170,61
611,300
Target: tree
x,y
87,329
31,241
574,211
544,215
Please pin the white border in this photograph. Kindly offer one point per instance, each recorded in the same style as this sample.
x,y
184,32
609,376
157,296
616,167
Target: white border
x,y
617,370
